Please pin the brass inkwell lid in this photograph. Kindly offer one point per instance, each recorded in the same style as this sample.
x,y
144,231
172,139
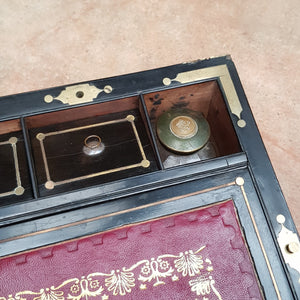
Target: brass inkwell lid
x,y
183,131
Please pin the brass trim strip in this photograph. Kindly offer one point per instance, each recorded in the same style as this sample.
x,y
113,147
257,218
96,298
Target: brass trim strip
x,y
49,184
116,213
85,127
240,182
18,190
7,194
45,160
98,174
131,120
14,146
223,74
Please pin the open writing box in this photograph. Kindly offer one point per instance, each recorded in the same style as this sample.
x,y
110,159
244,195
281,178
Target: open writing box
x,y
151,185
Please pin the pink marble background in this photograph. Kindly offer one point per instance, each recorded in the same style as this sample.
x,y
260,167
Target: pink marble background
x,y
49,43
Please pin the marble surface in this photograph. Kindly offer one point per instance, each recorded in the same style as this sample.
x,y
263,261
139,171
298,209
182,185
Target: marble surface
x,y
49,43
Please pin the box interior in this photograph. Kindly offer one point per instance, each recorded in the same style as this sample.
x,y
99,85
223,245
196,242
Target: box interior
x,y
66,132
204,98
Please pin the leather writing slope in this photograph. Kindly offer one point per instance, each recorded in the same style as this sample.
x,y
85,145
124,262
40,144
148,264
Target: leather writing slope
x,y
199,254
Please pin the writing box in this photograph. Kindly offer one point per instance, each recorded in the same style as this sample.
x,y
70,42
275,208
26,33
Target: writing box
x,y
150,185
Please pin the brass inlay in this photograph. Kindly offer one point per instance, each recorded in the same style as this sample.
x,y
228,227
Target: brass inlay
x,y
19,190
240,182
223,74
50,184
117,213
166,268
183,127
77,94
289,245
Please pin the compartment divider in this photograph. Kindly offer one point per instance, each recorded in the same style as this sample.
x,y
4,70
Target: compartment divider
x,y
149,127
29,158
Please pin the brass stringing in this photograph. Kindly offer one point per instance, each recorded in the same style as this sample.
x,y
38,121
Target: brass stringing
x,y
223,74
19,190
164,269
50,184
240,182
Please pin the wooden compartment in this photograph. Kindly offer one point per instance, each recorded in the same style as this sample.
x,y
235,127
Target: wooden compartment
x,y
206,99
90,145
14,178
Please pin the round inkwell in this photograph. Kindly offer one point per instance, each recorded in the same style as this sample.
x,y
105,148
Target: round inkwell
x,y
93,145
183,131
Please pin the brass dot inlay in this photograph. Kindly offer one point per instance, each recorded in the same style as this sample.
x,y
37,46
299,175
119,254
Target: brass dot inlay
x,y
293,247
40,136
13,140
49,185
280,219
48,98
183,127
240,181
107,89
241,123
166,81
145,163
19,190
130,118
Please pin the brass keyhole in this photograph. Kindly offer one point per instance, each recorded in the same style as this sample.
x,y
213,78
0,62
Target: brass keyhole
x,y
79,94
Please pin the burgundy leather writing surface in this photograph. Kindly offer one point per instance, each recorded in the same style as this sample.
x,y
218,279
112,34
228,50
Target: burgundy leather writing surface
x,y
200,254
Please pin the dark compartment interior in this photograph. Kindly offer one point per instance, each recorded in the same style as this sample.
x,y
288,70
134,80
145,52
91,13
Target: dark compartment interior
x,y
15,183
127,148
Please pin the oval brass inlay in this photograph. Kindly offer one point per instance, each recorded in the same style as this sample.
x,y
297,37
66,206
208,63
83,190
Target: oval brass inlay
x,y
184,127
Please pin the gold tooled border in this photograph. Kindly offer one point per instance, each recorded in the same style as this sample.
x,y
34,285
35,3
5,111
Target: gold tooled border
x,y
223,74
49,184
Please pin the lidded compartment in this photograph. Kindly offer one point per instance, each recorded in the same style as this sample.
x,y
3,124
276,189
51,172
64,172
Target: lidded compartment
x,y
90,145
191,124
14,176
